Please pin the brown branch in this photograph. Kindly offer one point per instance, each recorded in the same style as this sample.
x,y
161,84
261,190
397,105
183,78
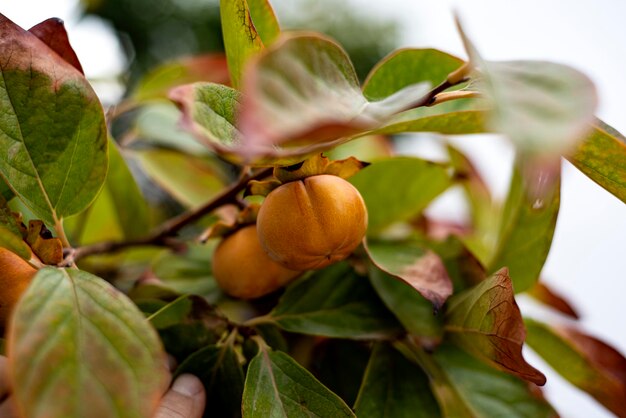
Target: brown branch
x,y
163,236
454,78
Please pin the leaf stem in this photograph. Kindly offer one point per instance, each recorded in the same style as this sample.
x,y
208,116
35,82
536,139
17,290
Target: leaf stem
x,y
454,78
163,235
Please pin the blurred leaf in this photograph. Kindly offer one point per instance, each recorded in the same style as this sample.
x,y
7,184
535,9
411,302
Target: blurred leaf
x,y
466,387
463,116
119,212
486,321
8,220
526,229
404,67
5,191
191,180
277,386
131,210
544,294
52,33
543,107
157,83
483,209
241,39
188,272
410,183
422,269
339,365
209,112
334,302
14,243
412,310
264,20
584,361
157,124
187,324
219,370
303,96
394,387
53,136
463,267
365,148
602,157
69,332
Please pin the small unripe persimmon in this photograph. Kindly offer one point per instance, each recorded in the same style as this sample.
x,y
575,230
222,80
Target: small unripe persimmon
x,y
15,276
313,222
244,270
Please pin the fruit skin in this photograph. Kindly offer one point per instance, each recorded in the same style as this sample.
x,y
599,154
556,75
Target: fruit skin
x,y
15,276
244,270
311,223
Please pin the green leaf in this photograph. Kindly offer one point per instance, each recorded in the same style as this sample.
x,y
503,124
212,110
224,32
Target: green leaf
x,y
241,39
481,391
277,386
157,83
394,387
584,361
264,20
543,107
410,183
5,191
526,228
302,95
119,212
187,324
69,332
191,180
422,269
408,66
339,365
189,272
413,311
458,117
219,370
334,302
483,209
14,243
209,112
486,321
53,143
602,157
158,124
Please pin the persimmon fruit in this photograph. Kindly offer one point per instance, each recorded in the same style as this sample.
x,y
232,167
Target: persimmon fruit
x,y
244,270
15,276
313,222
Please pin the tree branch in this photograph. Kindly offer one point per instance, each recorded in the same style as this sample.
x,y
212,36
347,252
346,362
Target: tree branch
x,y
456,77
163,235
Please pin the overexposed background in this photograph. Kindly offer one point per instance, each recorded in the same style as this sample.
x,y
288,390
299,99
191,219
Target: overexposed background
x,y
587,263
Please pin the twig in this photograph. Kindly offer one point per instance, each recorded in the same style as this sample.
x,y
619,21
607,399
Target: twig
x,y
454,78
162,236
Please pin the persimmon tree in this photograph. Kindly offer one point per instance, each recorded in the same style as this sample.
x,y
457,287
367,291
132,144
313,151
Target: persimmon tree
x,y
312,313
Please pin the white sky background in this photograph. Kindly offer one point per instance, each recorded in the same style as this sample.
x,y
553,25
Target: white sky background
x,y
588,259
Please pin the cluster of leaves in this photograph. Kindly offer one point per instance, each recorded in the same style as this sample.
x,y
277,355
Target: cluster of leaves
x,y
421,321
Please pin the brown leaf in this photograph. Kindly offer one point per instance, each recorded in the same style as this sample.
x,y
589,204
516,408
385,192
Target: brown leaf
x,y
544,294
44,245
421,269
611,392
486,321
52,33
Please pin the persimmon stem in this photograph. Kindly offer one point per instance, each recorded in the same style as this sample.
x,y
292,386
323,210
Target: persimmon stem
x,y
163,236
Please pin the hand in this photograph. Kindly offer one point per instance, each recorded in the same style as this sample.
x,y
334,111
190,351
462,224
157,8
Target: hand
x,y
185,399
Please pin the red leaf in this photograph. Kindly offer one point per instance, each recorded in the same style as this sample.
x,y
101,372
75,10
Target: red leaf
x,y
544,294
52,33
